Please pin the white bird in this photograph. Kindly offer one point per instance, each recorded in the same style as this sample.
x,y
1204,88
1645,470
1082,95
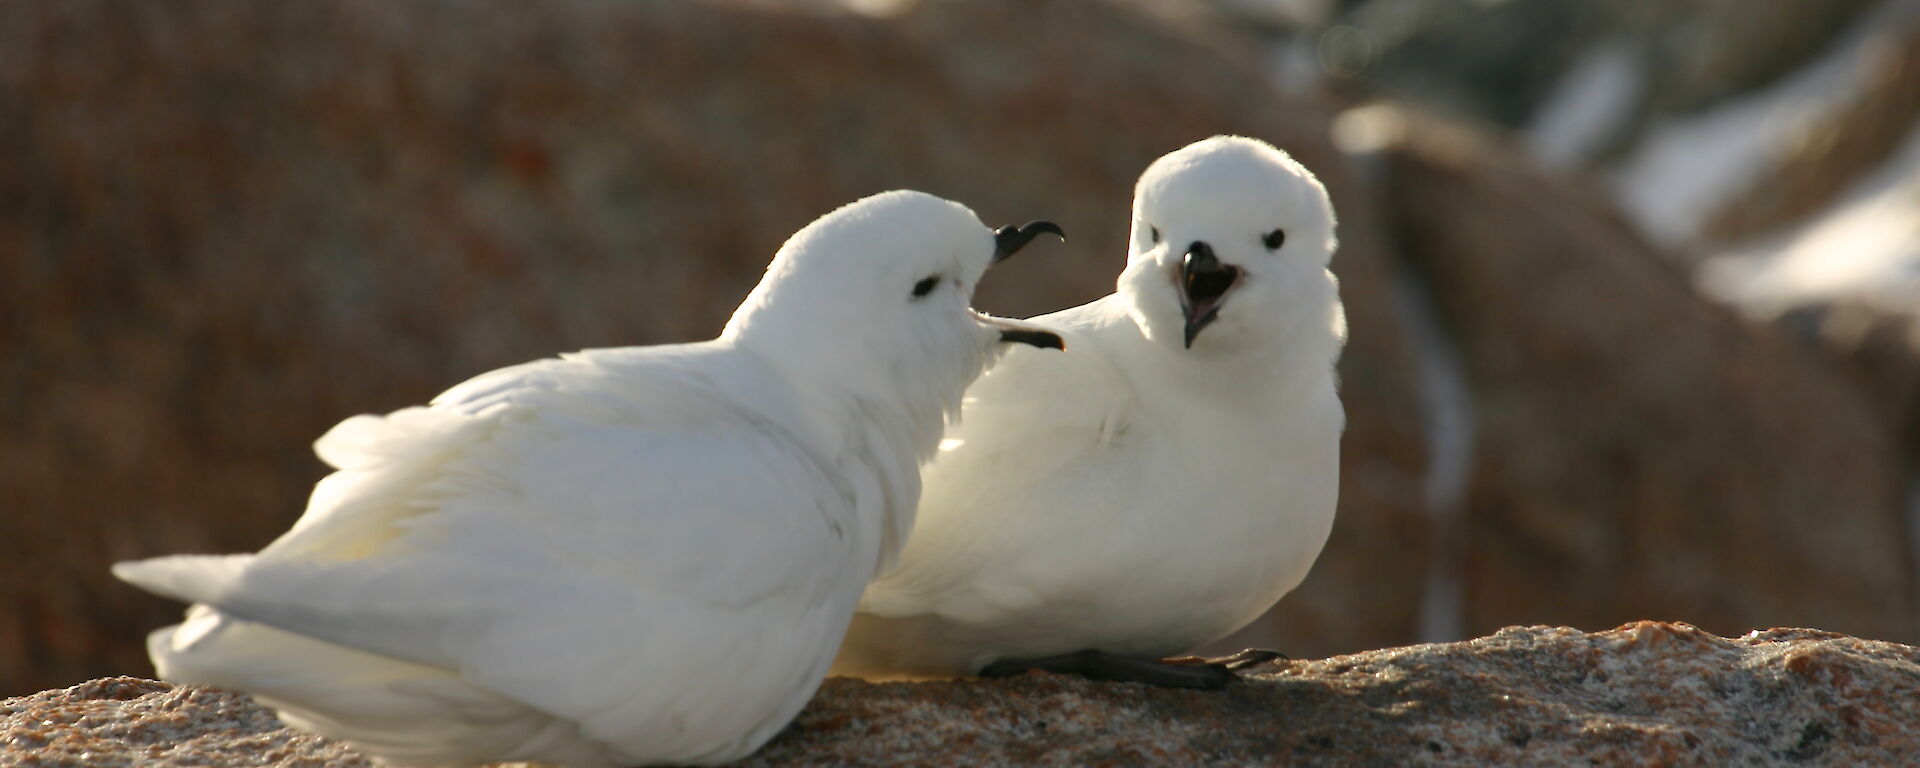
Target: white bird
x,y
621,556
1160,485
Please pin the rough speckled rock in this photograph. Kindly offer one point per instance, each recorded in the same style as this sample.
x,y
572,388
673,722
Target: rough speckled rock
x,y
125,721
1643,694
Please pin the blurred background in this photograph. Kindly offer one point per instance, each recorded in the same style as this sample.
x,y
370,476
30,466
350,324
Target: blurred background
x,y
1634,287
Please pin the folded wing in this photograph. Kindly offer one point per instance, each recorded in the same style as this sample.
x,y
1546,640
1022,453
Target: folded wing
x,y
479,535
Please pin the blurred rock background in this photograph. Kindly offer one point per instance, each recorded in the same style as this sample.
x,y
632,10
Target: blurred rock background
x,y
1634,288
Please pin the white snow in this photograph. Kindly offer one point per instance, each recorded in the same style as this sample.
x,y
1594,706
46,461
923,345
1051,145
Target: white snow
x,y
880,8
1368,128
1688,167
1590,106
1863,248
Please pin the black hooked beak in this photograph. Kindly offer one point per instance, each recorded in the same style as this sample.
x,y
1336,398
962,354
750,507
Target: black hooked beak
x,y
1008,240
1204,282
1022,332
1034,337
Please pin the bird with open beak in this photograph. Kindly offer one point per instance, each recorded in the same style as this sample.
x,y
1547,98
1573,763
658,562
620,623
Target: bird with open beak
x,y
624,556
1160,486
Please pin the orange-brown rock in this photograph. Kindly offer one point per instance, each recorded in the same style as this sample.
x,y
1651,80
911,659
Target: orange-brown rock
x,y
1640,451
1646,693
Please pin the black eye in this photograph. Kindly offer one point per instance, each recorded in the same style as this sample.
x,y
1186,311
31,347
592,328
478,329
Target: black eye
x,y
925,286
1153,232
1273,239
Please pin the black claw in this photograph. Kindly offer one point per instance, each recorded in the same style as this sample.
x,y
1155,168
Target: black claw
x,y
1106,667
1009,239
1251,657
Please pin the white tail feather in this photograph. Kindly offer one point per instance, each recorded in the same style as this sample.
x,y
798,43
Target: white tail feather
x,y
409,714
187,578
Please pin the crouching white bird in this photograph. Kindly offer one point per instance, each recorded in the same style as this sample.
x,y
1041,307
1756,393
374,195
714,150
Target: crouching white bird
x,y
1163,483
622,556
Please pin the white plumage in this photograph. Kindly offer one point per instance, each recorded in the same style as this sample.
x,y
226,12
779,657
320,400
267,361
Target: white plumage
x,y
621,556
1164,482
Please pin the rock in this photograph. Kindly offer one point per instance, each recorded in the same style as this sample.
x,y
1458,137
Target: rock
x,y
1882,351
1831,150
225,225
1500,62
1732,129
124,721
1644,694
1640,450
1838,189
1710,51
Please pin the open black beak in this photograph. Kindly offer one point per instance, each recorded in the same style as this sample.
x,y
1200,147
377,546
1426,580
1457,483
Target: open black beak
x,y
1204,282
1008,240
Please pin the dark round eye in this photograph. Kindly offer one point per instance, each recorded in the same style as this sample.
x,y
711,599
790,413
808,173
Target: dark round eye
x,y
1273,239
925,286
1153,232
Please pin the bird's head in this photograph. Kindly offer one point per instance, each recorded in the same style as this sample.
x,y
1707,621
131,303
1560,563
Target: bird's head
x,y
878,293
1230,244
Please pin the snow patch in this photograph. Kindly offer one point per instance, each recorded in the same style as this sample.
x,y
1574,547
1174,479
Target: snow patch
x,y
1687,167
1863,248
1590,106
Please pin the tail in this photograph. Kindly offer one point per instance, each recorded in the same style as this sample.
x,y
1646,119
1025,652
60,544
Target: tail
x,y
409,435
187,578
403,713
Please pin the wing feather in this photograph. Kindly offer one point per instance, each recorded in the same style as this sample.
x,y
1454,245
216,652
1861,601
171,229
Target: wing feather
x,y
479,534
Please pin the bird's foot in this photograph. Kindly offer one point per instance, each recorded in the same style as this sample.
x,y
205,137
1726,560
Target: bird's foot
x,y
1251,657
1189,672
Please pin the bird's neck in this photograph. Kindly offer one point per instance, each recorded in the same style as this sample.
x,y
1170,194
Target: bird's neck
x,y
1287,364
876,424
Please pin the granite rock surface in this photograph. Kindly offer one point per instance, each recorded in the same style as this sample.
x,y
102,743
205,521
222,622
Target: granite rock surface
x,y
1646,693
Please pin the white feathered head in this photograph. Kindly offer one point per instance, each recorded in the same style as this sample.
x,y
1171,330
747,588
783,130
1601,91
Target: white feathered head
x,y
1231,237
875,297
